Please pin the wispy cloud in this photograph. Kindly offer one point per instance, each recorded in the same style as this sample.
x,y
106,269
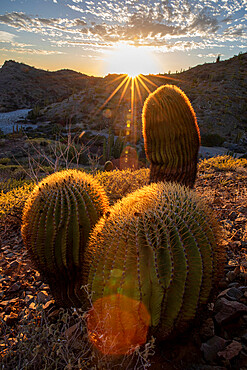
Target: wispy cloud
x,y
6,36
31,51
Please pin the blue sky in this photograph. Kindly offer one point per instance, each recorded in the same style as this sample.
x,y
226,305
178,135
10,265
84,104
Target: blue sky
x,y
87,35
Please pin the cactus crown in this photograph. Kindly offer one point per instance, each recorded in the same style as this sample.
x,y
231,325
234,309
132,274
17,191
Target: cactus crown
x,y
57,220
157,246
171,135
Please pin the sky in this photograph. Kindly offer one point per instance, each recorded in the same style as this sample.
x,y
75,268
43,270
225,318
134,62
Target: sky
x,y
112,36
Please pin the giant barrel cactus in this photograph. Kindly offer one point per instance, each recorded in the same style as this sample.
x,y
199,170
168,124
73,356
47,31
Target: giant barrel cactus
x,y
57,220
171,136
156,252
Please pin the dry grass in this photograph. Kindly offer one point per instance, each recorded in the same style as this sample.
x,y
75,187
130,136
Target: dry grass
x,y
223,163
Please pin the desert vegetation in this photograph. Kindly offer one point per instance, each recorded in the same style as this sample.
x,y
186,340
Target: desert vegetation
x,y
105,267
32,323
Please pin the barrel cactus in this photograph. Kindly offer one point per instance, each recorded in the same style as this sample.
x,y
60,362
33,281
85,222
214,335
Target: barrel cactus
x,y
157,248
108,166
57,220
171,136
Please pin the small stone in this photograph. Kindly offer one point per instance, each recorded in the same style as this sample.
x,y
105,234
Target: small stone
x,y
227,310
9,302
14,288
244,338
233,215
233,294
32,305
48,304
29,299
207,329
212,347
11,319
223,284
242,360
233,285
42,297
13,264
240,219
9,255
231,351
231,276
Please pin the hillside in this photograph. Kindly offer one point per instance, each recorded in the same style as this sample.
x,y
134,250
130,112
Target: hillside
x,y
217,92
22,86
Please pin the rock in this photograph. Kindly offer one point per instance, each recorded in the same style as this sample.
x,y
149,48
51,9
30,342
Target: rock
x,y
244,338
231,275
228,310
233,285
233,294
49,305
212,347
242,360
233,215
231,351
71,331
11,319
42,297
14,288
207,329
13,264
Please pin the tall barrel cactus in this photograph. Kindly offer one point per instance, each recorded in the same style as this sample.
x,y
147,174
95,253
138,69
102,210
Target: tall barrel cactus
x,y
171,136
57,220
158,247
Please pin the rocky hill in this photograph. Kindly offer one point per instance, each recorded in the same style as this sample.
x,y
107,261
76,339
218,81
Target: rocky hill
x,y
22,86
217,92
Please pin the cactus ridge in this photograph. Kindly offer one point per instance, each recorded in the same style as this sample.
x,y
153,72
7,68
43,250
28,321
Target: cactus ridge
x,y
57,220
159,246
171,136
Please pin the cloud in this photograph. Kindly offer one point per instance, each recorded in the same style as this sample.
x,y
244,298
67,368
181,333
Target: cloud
x,y
24,22
210,55
6,36
31,51
167,24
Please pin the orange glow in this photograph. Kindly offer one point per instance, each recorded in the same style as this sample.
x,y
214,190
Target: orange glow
x,y
118,324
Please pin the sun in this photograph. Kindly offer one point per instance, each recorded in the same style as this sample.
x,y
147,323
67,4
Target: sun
x,y
130,60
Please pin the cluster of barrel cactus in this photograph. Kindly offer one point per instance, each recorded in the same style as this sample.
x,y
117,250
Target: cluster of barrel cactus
x,y
157,248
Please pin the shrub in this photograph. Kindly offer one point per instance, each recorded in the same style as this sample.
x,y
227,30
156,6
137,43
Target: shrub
x,y
118,184
223,163
212,140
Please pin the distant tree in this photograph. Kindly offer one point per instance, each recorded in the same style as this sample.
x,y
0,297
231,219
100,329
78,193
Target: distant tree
x,y
218,59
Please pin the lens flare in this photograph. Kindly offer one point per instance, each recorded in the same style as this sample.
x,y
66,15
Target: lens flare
x,y
117,324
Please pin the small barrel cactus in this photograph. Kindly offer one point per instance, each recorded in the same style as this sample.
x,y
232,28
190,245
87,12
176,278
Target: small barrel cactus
x,y
171,136
57,220
108,166
159,247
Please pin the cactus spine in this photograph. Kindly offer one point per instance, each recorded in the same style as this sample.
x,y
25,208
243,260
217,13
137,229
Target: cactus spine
x,y
171,136
158,246
57,220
